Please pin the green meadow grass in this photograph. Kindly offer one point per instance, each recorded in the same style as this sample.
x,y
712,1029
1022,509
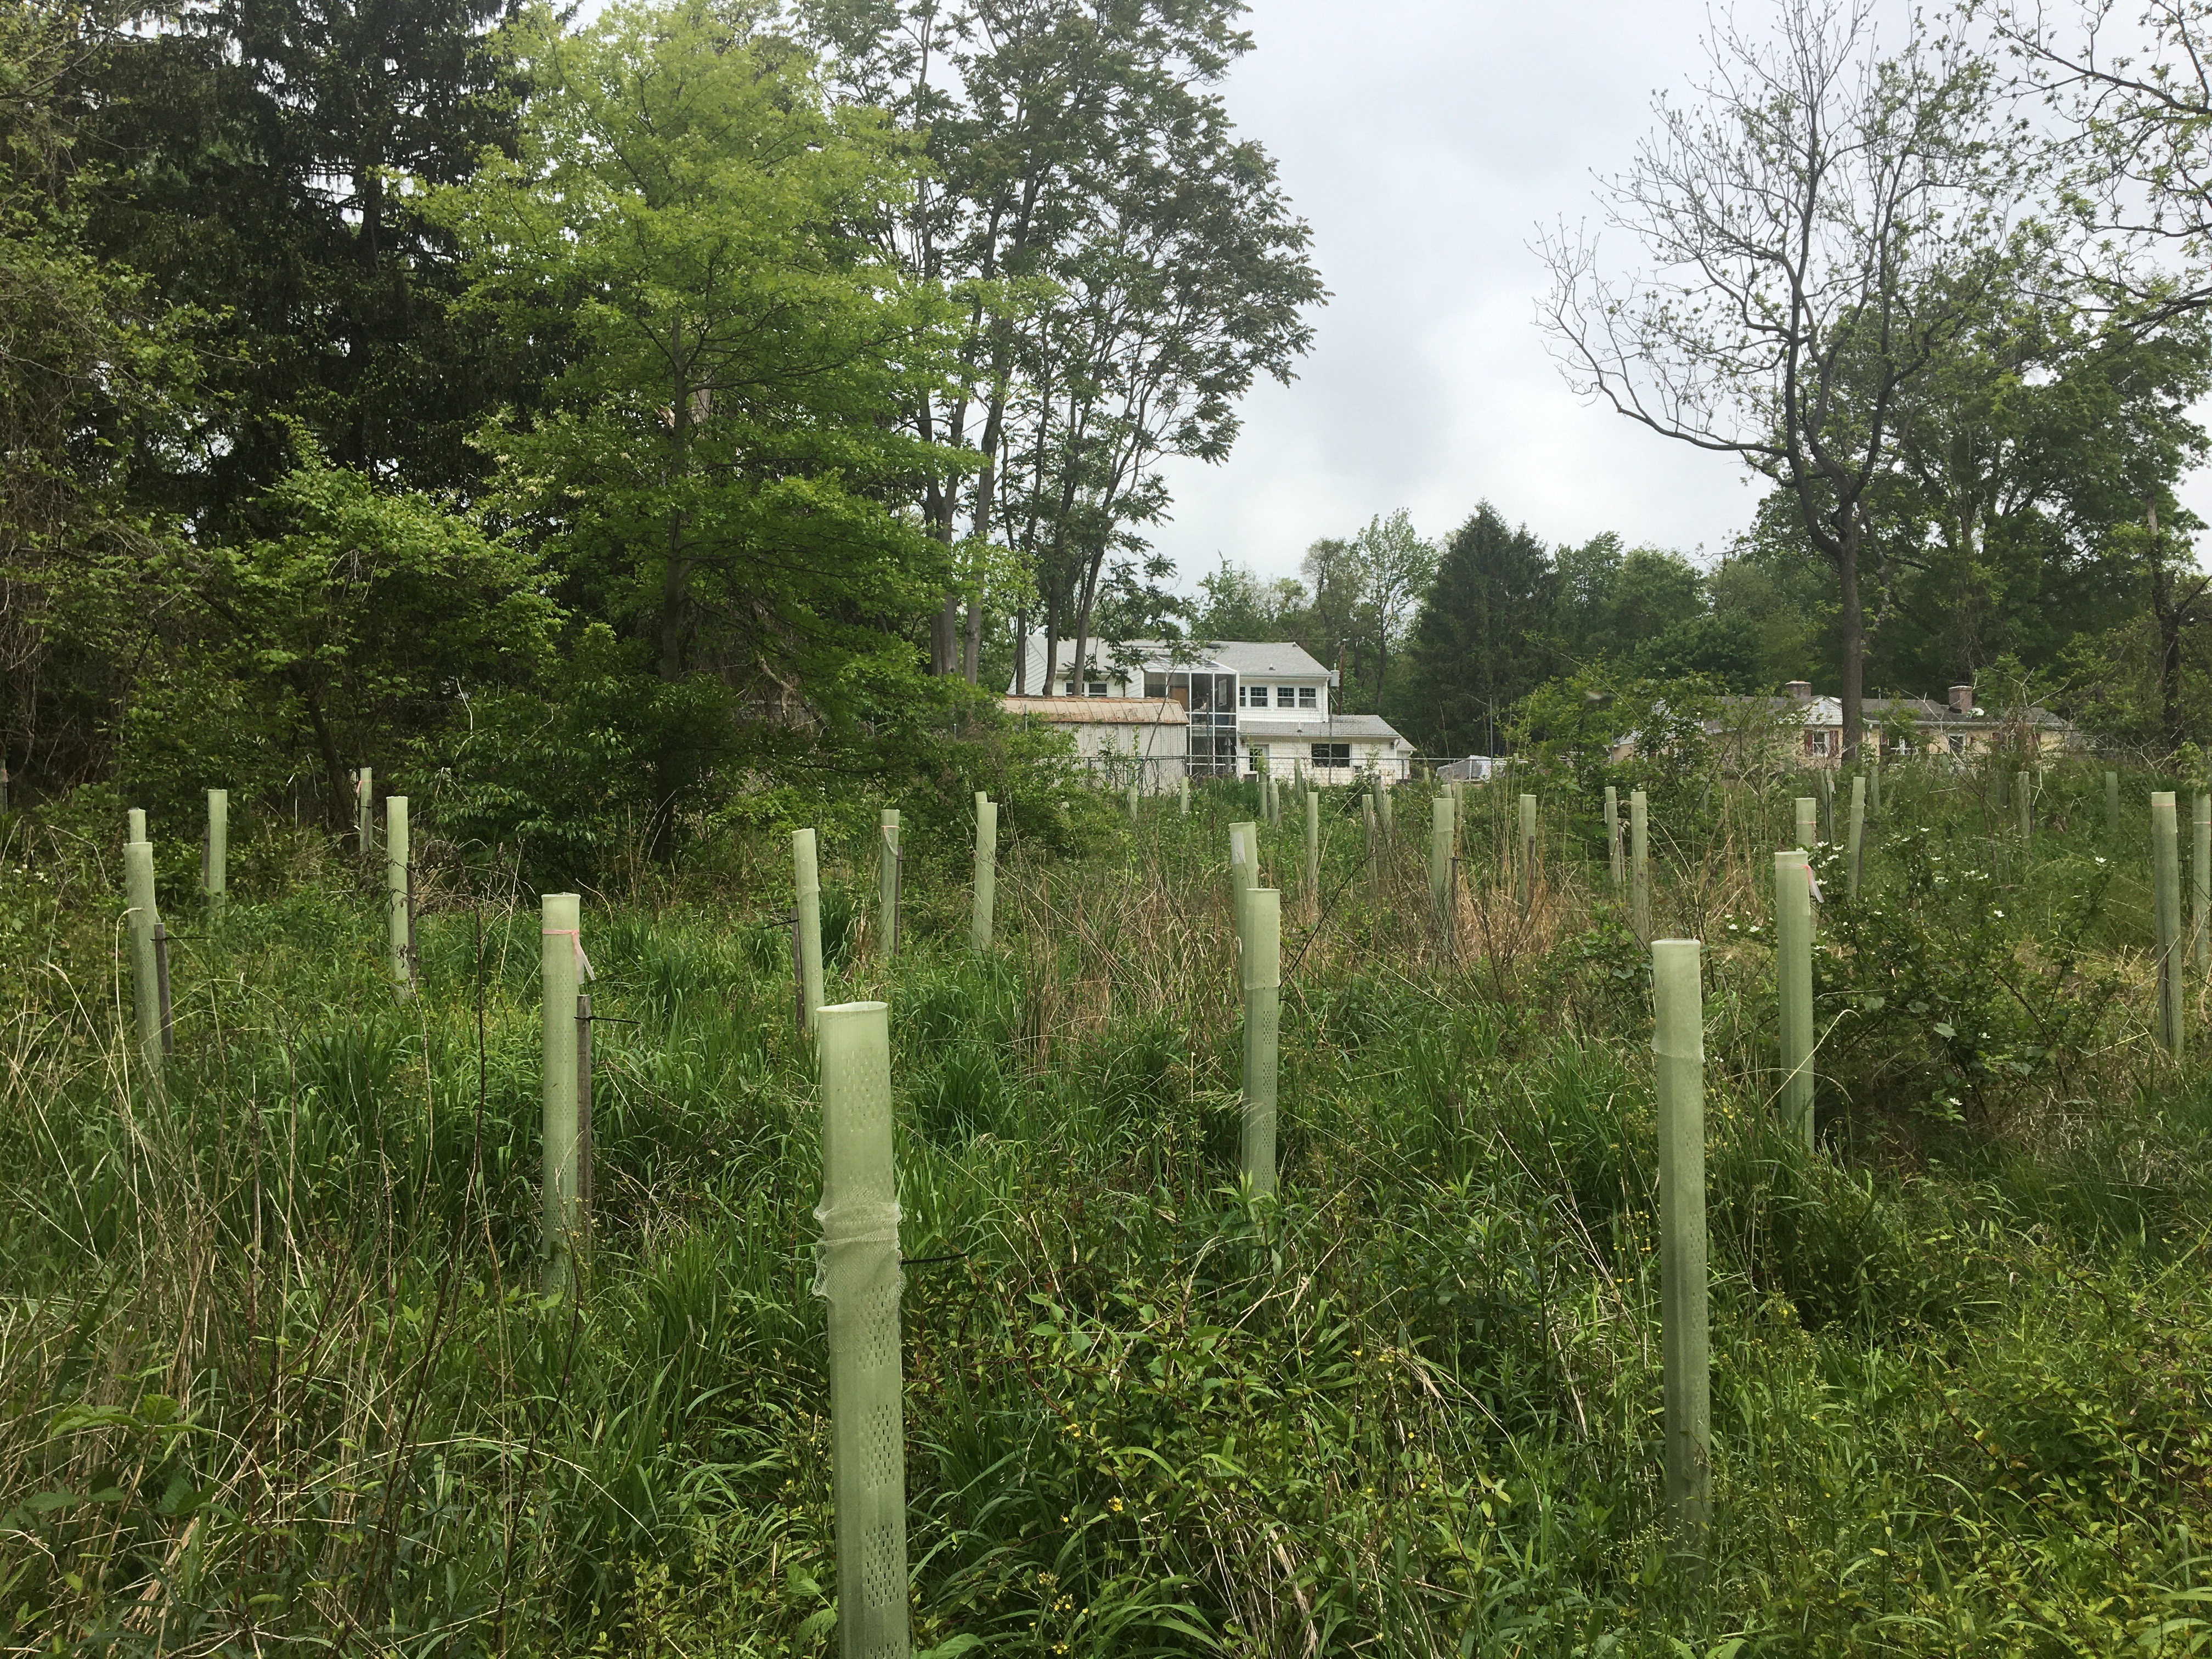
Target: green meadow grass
x,y
276,1374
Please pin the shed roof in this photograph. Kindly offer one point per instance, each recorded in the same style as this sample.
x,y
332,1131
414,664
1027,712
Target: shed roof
x,y
1100,711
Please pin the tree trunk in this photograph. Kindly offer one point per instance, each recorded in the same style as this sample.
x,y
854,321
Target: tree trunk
x,y
1847,575
1022,651
669,626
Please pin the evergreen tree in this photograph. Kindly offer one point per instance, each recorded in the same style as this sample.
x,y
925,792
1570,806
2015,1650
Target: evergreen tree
x,y
1481,641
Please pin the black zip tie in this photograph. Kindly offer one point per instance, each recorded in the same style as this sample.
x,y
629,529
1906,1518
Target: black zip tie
x,y
932,1261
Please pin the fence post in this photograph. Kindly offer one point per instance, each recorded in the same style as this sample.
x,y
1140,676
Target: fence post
x,y
214,872
857,1272
888,871
1857,847
1639,864
144,914
1382,806
806,873
1678,1040
1613,838
399,849
1793,967
986,884
1809,836
560,955
1263,980
2166,875
2200,825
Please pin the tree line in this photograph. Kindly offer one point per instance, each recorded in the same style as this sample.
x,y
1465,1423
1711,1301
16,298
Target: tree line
x,y
596,415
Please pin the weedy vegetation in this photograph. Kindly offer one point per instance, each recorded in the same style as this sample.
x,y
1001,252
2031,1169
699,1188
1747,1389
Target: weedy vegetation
x,y
277,1374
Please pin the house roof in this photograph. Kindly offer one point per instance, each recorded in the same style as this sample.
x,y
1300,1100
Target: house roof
x,y
1344,728
1924,711
1100,711
1245,658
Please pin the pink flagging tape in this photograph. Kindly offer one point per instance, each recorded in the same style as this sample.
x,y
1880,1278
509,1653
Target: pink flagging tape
x,y
574,935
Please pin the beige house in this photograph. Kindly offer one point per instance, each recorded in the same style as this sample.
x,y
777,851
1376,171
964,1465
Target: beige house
x,y
1119,738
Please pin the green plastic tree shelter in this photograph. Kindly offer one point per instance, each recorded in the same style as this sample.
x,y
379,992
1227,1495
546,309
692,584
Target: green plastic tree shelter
x,y
364,810
1524,864
857,1272
1793,968
2165,882
889,863
1263,995
1808,837
987,872
1183,794
144,917
2200,873
214,856
1440,862
563,968
1678,1041
398,881
2113,805
1612,849
1639,864
1129,798
1856,849
806,883
1313,854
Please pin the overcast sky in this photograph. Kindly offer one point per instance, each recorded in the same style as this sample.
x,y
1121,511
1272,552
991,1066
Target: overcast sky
x,y
1424,140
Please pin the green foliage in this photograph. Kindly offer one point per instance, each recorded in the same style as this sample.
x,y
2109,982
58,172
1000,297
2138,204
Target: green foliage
x,y
352,623
1571,728
1481,641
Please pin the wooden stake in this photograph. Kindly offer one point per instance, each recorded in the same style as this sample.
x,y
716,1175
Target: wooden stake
x,y
2113,806
1678,1040
134,822
1793,964
364,811
584,1114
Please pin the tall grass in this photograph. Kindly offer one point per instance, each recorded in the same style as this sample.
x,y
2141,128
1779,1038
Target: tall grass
x,y
276,1372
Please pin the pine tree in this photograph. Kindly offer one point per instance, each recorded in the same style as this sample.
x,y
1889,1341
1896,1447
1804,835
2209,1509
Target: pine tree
x,y
1481,641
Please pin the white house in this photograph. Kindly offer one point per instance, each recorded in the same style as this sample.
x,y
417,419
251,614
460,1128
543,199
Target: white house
x,y
1253,705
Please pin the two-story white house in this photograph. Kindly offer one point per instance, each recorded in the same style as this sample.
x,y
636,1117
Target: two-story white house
x,y
1254,705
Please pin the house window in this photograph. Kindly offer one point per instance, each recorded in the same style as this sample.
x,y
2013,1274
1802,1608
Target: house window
x,y
1957,744
1816,743
1332,754
1286,696
1252,697
1155,685
1308,698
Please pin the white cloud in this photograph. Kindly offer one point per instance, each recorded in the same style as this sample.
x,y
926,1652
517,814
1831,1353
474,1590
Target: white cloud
x,y
1425,141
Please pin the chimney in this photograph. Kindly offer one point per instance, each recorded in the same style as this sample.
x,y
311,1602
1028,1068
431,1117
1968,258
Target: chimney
x,y
1800,690
1962,699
